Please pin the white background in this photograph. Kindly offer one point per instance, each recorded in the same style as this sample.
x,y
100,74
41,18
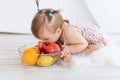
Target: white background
x,y
16,15
106,14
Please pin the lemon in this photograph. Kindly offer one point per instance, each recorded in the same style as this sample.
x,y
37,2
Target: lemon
x,y
45,61
55,58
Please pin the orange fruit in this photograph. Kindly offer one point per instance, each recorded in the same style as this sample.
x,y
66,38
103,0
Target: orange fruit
x,y
30,56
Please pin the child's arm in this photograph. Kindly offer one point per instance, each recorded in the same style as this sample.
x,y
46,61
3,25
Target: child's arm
x,y
76,40
77,48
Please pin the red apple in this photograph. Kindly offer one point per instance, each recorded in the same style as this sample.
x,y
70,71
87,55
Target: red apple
x,y
42,47
52,48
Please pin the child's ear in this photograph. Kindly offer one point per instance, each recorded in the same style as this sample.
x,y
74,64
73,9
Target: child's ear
x,y
58,30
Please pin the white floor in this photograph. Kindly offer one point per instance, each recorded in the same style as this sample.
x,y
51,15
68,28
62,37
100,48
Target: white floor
x,y
11,67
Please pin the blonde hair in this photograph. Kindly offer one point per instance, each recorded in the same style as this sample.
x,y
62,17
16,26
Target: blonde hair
x,y
42,19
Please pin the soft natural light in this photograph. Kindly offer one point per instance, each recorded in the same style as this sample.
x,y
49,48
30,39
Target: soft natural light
x,y
106,14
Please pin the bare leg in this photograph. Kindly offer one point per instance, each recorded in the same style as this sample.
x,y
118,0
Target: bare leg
x,y
90,49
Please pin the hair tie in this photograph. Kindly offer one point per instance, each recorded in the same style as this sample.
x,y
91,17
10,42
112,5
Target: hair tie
x,y
50,14
37,3
38,9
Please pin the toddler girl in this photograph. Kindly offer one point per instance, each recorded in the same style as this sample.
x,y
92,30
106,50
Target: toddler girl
x,y
49,26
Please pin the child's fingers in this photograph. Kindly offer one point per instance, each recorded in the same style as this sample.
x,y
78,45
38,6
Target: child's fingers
x,y
64,54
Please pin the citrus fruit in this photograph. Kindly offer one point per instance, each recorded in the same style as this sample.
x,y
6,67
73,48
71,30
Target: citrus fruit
x,y
45,61
30,56
55,58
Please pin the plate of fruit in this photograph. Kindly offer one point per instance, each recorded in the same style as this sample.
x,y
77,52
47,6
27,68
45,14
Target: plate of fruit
x,y
40,54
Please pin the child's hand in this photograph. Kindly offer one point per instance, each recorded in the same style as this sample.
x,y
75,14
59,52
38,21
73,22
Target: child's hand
x,y
65,54
65,51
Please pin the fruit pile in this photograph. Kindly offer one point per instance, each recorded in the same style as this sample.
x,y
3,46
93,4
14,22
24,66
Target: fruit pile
x,y
45,54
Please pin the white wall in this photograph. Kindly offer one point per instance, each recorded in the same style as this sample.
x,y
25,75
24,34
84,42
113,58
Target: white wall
x,y
106,14
75,10
16,15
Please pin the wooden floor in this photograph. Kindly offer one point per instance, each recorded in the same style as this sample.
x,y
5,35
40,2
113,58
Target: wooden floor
x,y
11,67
